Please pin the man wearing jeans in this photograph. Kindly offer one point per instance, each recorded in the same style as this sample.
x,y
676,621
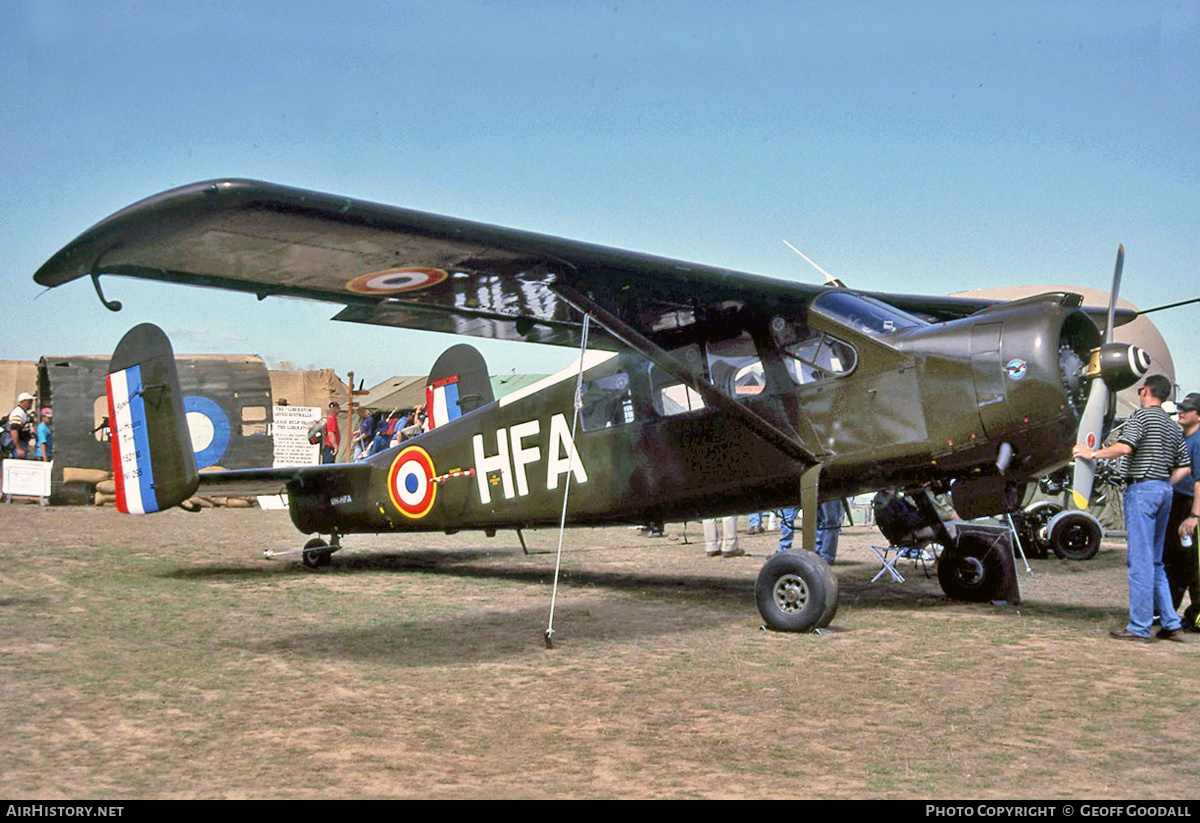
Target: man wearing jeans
x,y
1179,562
1154,443
829,527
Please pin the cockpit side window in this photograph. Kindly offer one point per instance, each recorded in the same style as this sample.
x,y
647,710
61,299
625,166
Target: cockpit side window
x,y
607,402
819,356
810,355
676,398
735,367
671,397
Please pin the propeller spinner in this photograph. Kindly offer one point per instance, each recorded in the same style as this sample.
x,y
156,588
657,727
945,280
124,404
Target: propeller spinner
x,y
1111,367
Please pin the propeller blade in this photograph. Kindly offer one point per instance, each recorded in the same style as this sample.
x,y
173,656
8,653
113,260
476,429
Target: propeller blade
x,y
1091,429
1096,411
1112,295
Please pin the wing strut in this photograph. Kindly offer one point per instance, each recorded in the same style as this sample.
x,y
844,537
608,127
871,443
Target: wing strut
x,y
768,431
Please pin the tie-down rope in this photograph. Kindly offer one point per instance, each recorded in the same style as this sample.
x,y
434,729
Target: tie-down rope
x,y
562,523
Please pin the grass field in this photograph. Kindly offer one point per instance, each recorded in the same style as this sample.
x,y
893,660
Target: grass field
x,y
162,657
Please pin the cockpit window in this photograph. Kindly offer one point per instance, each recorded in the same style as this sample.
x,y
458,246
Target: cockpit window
x,y
864,314
675,398
750,380
817,357
607,402
735,366
670,396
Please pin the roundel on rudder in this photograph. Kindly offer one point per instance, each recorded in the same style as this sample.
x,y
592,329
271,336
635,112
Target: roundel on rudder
x,y
410,482
209,428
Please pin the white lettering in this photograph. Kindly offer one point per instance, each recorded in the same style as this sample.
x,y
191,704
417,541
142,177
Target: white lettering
x,y
496,463
513,457
521,456
38,810
562,455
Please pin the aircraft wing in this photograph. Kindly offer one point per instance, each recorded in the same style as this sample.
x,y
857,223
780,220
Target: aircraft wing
x,y
397,267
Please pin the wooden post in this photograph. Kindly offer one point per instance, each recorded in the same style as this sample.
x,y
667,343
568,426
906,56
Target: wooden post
x,y
346,441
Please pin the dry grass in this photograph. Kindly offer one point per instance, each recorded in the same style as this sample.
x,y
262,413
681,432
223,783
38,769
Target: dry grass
x,y
161,657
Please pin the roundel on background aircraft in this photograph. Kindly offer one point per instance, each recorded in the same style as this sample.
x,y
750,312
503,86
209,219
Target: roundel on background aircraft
x,y
209,428
410,482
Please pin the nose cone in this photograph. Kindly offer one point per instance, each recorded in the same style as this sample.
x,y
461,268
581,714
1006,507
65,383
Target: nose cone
x,y
1120,365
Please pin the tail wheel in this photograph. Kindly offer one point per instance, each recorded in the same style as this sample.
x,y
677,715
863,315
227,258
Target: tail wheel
x,y
796,592
313,557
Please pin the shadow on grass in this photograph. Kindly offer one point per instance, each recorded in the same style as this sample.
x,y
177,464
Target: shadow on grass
x,y
397,562
23,601
485,636
463,564
718,591
725,597
667,608
461,625
1114,613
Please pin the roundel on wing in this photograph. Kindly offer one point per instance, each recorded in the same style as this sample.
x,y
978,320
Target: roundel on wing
x,y
410,482
395,281
209,429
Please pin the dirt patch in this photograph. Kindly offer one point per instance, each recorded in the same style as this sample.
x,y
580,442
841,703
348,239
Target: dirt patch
x,y
163,657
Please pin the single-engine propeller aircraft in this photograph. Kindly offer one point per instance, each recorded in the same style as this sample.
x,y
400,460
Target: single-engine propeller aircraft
x,y
700,391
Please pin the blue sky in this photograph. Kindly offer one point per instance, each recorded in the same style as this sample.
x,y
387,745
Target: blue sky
x,y
918,147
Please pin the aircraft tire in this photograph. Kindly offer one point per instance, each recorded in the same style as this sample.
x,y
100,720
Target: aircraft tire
x,y
1075,536
972,570
316,560
796,592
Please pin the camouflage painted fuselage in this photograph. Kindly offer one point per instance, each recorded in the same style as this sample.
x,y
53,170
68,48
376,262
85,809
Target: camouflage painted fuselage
x,y
932,403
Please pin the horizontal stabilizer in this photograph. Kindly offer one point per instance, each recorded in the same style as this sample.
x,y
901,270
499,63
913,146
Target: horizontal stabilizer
x,y
249,482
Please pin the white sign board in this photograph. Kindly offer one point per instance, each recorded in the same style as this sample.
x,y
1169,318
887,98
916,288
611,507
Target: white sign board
x,y
26,478
290,428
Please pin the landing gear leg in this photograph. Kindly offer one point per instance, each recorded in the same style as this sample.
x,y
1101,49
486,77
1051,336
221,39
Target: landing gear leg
x,y
796,590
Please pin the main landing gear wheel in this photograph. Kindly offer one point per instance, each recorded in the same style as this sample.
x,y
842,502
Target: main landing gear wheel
x,y
312,556
796,592
972,570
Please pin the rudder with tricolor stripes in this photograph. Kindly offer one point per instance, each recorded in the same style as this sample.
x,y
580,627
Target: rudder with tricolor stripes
x,y
154,467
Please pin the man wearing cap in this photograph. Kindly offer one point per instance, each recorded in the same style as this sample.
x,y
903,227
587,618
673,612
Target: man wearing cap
x,y
18,426
45,437
1179,562
1157,455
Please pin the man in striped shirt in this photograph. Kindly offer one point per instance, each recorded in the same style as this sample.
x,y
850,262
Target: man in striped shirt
x,y
1157,455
